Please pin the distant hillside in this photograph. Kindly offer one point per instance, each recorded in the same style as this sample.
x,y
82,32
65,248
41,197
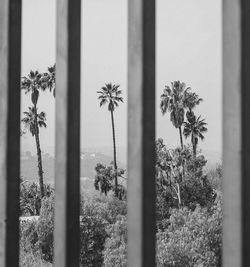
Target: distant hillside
x,y
89,159
88,162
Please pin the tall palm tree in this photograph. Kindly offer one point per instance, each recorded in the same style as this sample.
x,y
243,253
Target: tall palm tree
x,y
50,79
33,83
33,121
173,100
195,127
111,95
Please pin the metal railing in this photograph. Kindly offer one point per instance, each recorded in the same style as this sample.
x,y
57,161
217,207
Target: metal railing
x,y
141,132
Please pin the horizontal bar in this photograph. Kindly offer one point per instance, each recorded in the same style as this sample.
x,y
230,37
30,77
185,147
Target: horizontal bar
x,y
67,187
10,64
141,133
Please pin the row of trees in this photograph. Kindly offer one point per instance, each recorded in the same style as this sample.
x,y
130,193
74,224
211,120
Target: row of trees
x,y
180,101
36,82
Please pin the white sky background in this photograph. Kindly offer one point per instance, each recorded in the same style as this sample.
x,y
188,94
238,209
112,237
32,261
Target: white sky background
x,y
188,49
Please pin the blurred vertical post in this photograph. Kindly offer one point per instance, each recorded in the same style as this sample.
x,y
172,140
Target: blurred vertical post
x,y
10,64
236,132
67,171
141,133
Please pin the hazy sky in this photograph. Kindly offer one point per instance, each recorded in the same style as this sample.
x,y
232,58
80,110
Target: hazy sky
x,y
188,49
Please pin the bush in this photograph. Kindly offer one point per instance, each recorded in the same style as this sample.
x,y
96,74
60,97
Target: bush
x,y
29,237
197,192
115,251
106,207
30,197
45,229
29,259
193,238
92,233
116,207
37,236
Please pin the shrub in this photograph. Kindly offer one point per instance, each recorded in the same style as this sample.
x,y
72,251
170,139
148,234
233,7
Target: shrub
x,y
29,236
197,191
193,238
37,236
115,251
45,228
92,238
30,259
30,197
115,208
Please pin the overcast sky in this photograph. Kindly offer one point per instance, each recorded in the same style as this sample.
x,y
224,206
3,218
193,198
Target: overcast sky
x,y
188,49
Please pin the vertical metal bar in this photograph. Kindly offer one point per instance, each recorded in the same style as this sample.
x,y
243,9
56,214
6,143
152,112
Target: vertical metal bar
x,y
67,133
236,132
141,133
245,120
231,134
10,63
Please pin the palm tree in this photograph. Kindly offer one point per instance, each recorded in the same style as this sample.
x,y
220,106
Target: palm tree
x,y
33,121
111,95
173,100
50,79
195,127
33,83
191,99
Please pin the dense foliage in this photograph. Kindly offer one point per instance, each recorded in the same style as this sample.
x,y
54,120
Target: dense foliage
x,y
192,238
105,180
180,180
187,235
96,217
30,200
115,251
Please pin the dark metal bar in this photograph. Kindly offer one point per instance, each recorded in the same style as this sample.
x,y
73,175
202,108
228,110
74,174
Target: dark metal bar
x,y
10,63
236,132
67,133
141,134
245,111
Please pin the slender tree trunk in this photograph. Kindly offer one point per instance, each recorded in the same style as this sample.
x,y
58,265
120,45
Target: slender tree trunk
x,y
194,146
39,156
179,195
194,149
181,137
114,149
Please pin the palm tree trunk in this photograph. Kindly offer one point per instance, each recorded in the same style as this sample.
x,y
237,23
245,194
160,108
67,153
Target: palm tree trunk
x,y
114,149
181,137
39,156
194,146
